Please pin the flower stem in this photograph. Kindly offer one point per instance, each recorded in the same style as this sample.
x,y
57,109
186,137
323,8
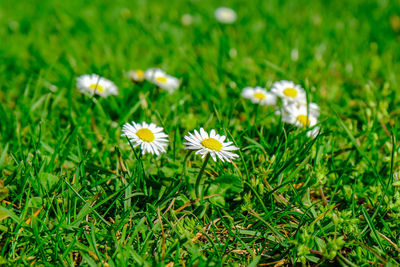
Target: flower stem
x,y
256,110
139,160
184,163
197,186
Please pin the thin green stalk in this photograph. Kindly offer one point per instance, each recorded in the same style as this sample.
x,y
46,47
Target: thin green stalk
x,y
139,159
184,163
256,110
197,186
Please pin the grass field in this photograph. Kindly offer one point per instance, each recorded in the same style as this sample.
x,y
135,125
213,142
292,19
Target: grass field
x,y
74,192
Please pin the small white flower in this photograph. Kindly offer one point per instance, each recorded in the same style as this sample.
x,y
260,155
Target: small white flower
x,y
187,19
212,144
225,15
162,80
95,84
313,108
232,52
288,91
301,117
149,137
294,54
259,95
136,75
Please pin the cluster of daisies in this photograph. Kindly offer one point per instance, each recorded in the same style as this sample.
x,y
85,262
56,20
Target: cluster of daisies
x,y
157,77
93,84
224,15
295,108
150,137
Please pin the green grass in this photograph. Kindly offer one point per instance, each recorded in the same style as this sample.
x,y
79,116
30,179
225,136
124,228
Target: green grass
x,y
73,191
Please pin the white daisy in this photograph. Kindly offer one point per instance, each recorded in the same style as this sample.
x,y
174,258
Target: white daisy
x,y
95,84
136,75
259,95
162,80
301,117
149,137
212,144
313,108
288,91
225,15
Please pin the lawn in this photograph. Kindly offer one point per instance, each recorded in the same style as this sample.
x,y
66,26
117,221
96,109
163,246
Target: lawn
x,y
73,191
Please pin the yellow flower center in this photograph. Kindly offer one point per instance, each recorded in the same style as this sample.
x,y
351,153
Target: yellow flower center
x,y
96,87
212,144
290,92
145,134
259,96
161,79
303,120
140,74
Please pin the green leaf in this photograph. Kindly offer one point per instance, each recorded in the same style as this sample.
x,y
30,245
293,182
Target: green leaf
x,y
218,200
225,186
229,183
3,215
396,183
3,157
48,181
35,202
312,258
3,191
255,261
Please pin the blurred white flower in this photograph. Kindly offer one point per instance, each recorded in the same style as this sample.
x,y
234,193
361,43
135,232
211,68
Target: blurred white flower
x,y
136,75
232,84
232,52
259,95
294,54
225,15
162,80
289,91
301,116
187,19
95,84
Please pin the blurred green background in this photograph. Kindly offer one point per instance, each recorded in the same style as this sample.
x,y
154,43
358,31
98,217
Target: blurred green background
x,y
338,46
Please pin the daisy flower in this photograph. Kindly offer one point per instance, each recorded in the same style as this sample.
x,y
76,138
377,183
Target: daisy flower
x,y
288,91
313,109
149,137
136,76
225,15
95,84
259,95
162,80
212,144
301,117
